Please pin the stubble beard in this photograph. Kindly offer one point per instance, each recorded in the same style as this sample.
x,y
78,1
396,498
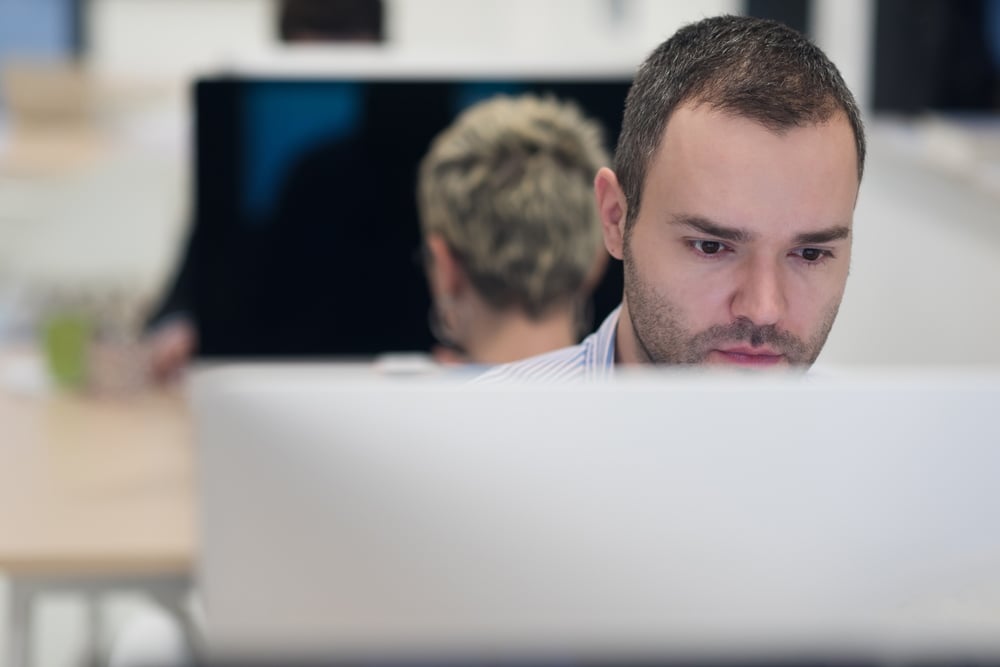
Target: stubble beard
x,y
663,338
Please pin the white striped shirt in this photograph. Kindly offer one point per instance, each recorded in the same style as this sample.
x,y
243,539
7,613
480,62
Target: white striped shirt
x,y
593,359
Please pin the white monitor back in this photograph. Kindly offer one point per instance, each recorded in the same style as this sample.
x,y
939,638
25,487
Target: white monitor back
x,y
344,514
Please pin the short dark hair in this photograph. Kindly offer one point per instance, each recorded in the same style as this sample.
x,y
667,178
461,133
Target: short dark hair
x,y
750,67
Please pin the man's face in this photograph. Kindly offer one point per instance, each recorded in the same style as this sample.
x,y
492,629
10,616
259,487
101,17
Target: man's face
x,y
740,251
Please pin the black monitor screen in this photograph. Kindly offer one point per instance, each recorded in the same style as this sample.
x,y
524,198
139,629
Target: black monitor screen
x,y
306,235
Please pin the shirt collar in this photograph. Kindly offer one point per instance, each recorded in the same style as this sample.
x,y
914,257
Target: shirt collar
x,y
601,361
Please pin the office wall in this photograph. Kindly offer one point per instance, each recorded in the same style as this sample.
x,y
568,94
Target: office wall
x,y
623,30
170,38
176,37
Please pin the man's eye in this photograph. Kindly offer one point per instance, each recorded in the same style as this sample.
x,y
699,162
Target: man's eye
x,y
708,247
813,255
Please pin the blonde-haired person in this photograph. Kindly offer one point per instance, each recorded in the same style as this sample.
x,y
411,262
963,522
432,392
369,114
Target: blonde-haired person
x,y
512,236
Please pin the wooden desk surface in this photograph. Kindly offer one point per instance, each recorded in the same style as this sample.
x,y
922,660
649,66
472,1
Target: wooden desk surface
x,y
96,485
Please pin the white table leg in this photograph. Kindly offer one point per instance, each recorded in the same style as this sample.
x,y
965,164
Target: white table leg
x,y
19,640
92,624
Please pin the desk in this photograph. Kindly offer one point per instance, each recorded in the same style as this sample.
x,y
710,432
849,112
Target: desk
x,y
95,492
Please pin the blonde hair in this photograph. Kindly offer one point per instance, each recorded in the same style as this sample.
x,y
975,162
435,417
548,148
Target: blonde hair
x,y
509,186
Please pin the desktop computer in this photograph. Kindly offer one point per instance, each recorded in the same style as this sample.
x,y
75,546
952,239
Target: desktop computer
x,y
662,517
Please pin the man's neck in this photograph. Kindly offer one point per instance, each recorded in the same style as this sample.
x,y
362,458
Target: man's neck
x,y
511,335
627,347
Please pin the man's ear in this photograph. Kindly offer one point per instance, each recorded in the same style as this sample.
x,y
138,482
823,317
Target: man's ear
x,y
444,273
613,209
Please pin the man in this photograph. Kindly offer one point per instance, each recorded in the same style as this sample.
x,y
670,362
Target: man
x,y
511,233
731,206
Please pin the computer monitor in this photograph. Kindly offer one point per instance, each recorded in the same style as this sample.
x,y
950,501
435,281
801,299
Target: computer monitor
x,y
305,237
656,518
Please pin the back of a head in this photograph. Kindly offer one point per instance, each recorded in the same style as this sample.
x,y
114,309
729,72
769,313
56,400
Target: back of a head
x,y
509,187
750,67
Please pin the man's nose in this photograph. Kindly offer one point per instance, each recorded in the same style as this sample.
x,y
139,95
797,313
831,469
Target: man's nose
x,y
760,294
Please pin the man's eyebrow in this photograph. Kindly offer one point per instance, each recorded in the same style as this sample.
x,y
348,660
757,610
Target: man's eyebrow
x,y
823,235
706,226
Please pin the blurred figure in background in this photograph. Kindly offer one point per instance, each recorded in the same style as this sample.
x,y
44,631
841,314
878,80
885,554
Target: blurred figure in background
x,y
512,239
172,335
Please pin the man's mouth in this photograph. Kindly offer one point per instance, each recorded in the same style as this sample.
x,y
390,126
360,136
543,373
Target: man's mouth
x,y
747,356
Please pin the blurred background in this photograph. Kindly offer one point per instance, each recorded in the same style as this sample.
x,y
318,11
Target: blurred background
x,y
97,148
97,165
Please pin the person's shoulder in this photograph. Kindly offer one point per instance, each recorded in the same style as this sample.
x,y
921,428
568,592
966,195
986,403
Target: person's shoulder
x,y
564,364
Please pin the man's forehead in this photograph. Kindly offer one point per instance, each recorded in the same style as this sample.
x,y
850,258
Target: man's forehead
x,y
696,123
722,149
734,170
